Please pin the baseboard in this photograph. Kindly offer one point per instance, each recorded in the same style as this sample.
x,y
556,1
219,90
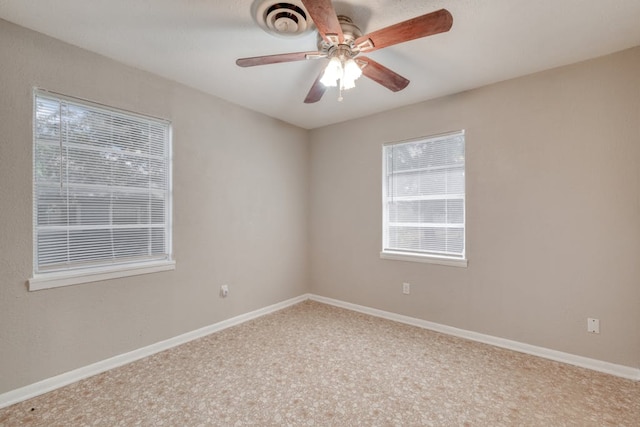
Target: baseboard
x,y
50,384
558,356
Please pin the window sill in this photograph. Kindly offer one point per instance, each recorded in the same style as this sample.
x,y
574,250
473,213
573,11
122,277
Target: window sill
x,y
67,278
429,259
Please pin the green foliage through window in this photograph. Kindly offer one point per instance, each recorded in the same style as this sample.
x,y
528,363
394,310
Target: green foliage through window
x,y
101,185
424,196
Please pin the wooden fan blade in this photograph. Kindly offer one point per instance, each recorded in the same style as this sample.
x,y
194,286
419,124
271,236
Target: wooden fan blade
x,y
324,16
316,91
382,75
436,22
275,59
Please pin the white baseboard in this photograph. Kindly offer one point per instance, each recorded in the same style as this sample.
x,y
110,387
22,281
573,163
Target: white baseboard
x,y
50,384
558,356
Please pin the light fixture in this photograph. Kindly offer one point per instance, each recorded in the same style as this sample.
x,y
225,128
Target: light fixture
x,y
351,73
342,70
332,73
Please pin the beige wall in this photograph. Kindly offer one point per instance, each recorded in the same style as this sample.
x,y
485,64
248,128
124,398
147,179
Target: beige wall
x,y
240,216
553,211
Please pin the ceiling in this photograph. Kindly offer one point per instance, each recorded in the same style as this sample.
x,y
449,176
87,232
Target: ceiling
x,y
196,42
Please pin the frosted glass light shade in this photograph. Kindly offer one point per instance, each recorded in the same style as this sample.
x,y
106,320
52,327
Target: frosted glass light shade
x,y
351,70
332,73
350,74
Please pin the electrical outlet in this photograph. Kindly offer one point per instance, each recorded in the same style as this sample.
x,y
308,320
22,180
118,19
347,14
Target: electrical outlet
x,y
406,288
593,325
224,291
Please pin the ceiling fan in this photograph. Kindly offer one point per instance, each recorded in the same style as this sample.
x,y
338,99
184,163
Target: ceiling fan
x,y
342,43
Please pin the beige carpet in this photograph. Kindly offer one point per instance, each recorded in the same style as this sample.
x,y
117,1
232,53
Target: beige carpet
x,y
313,364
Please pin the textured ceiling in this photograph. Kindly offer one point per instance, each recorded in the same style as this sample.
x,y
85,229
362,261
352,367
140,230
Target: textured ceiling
x,y
196,42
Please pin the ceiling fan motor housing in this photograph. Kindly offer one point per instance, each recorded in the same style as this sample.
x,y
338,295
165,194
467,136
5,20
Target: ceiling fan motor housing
x,y
282,18
341,41
350,32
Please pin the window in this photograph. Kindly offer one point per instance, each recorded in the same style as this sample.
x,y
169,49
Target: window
x,y
424,200
102,192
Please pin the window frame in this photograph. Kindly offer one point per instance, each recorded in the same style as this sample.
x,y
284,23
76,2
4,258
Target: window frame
x,y
101,270
415,256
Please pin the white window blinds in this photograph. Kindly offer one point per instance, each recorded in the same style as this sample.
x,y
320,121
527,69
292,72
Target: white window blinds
x,y
424,196
101,186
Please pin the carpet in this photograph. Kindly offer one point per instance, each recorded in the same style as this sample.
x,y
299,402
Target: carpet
x,y
317,365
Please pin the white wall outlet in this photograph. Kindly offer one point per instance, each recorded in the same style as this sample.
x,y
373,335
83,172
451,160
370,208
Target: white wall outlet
x,y
224,291
593,325
406,288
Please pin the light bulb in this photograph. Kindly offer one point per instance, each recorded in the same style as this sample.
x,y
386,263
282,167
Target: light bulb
x,y
347,83
332,73
351,70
